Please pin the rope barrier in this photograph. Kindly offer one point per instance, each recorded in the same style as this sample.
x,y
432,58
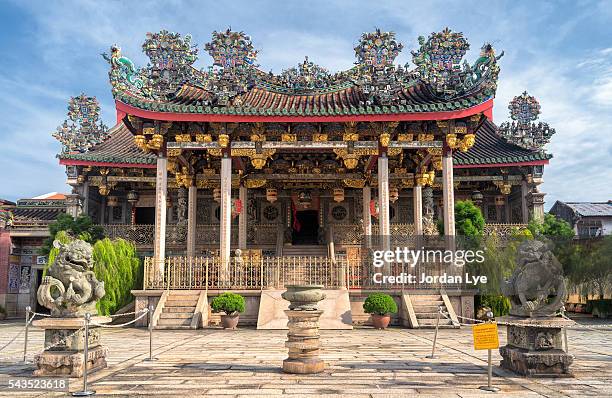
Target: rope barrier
x,y
144,312
18,333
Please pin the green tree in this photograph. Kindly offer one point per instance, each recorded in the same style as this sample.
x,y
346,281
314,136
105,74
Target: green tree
x,y
80,227
469,221
552,227
117,264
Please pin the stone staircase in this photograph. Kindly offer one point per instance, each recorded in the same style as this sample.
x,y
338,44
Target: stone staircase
x,y
305,251
180,310
423,311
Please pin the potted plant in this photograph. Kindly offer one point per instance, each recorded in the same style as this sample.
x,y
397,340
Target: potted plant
x,y
232,305
380,306
2,313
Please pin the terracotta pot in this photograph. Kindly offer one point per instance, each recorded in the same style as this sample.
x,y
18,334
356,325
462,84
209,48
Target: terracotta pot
x,y
303,297
229,321
381,321
2,316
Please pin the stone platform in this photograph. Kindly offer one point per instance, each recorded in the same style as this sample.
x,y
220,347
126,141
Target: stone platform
x,y
66,340
535,347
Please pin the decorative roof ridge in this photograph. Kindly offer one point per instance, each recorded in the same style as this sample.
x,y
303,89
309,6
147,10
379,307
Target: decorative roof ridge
x,y
234,71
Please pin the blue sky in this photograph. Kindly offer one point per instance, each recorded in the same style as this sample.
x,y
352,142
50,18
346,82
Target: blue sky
x,y
560,51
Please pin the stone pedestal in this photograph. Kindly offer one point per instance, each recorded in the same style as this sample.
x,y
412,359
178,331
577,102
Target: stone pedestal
x,y
65,355
535,347
303,342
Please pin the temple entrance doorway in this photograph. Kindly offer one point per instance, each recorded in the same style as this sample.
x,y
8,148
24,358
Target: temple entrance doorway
x,y
306,228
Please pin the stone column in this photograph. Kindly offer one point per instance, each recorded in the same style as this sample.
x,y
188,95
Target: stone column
x,y
535,201
417,204
367,216
383,201
226,209
74,204
448,195
85,195
242,218
524,209
191,220
161,187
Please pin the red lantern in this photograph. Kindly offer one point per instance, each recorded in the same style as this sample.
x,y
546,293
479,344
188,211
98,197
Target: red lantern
x,y
374,209
236,207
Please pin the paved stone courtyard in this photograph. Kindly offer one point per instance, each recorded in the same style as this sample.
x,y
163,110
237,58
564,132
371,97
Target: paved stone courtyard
x,y
361,363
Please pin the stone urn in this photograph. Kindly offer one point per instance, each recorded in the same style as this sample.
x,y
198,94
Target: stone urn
x,y
303,297
303,336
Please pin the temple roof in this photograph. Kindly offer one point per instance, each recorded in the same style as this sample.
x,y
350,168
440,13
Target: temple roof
x,y
489,148
439,81
118,147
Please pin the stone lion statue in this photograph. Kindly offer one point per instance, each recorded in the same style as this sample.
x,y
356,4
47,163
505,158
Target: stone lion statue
x,y
70,287
536,287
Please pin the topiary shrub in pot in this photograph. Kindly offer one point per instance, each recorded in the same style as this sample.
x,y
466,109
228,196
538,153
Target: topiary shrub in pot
x,y
232,305
2,313
380,306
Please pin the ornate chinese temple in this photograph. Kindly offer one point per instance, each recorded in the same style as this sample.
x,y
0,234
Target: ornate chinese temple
x,y
296,169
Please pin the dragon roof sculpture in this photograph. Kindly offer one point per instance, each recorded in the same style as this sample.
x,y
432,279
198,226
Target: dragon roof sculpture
x,y
523,131
234,84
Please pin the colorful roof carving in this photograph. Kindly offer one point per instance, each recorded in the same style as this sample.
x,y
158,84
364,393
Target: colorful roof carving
x,y
83,129
522,131
375,85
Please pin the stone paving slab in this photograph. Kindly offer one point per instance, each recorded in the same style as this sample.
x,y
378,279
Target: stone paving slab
x,y
361,363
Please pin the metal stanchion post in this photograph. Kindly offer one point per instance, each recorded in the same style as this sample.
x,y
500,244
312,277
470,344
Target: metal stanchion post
x,y
433,347
27,327
85,392
489,386
151,309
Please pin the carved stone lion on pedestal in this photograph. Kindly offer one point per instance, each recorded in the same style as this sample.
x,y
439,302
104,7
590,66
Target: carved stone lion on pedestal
x,y
536,287
70,288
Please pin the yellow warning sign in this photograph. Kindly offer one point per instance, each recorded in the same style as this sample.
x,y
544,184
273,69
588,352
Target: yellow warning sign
x,y
485,336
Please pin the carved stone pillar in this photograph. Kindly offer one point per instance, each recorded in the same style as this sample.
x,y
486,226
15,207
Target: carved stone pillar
x,y
242,218
161,187
417,203
367,216
448,196
535,202
74,205
226,210
383,201
191,220
524,209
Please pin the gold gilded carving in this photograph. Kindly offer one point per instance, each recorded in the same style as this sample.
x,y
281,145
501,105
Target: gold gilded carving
x,y
242,151
350,132
174,152
407,182
504,187
258,132
223,140
365,151
425,137
385,139
354,183
467,142
437,163
452,141
319,137
405,137
207,183
394,151
215,152
255,183
435,151
182,138
460,129
442,124
286,137
351,160
207,138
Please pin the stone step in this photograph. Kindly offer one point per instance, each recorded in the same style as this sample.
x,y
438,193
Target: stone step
x,y
174,327
432,322
181,302
425,308
427,315
189,309
427,303
174,322
176,315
